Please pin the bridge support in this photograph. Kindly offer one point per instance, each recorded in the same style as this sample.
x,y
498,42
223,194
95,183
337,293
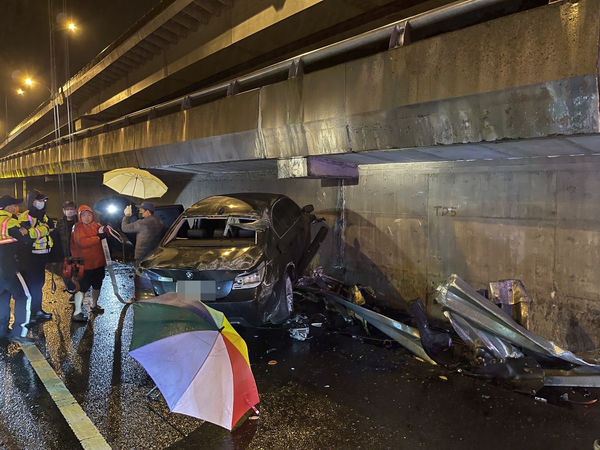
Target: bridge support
x,y
315,167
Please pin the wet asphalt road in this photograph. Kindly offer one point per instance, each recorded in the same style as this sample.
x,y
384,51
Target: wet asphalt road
x,y
331,391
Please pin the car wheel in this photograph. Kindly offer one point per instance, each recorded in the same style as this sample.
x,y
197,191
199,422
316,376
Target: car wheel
x,y
285,300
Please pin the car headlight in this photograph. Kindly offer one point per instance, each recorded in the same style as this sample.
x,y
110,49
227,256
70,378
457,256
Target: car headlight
x,y
149,275
250,279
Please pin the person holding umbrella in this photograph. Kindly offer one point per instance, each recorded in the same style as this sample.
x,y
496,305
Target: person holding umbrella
x,y
149,229
86,245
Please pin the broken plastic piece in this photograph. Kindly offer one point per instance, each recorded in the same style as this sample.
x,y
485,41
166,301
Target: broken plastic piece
x,y
300,334
357,296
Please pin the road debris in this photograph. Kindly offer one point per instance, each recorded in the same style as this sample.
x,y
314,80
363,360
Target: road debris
x,y
499,345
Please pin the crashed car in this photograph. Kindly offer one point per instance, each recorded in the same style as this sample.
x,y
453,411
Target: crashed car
x,y
244,251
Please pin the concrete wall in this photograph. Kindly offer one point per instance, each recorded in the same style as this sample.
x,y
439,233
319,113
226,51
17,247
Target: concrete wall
x,y
411,225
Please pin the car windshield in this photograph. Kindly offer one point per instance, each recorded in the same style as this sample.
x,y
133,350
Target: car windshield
x,y
213,231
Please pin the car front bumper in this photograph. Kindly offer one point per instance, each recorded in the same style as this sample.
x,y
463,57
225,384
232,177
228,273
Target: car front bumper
x,y
240,306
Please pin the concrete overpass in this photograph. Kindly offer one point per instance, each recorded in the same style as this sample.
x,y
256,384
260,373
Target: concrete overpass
x,y
476,150
182,45
468,94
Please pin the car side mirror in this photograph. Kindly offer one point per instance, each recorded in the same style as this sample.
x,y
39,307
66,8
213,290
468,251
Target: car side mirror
x,y
308,209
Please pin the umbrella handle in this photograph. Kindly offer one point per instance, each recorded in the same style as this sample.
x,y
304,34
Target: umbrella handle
x,y
256,411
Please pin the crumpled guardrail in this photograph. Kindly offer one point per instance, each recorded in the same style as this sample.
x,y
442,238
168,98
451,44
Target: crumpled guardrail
x,y
480,322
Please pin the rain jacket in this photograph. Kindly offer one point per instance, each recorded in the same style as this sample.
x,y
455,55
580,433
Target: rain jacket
x,y
149,233
11,243
86,244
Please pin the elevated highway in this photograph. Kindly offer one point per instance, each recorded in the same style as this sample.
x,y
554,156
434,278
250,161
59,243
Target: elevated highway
x,y
183,45
522,85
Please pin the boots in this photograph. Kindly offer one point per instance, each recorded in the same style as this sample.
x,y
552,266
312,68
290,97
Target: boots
x,y
95,308
78,315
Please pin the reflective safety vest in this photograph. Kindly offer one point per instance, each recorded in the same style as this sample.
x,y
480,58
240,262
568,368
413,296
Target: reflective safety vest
x,y
38,231
6,222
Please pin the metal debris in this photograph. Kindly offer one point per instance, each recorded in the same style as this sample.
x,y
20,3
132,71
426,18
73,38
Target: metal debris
x,y
300,334
512,298
474,312
406,335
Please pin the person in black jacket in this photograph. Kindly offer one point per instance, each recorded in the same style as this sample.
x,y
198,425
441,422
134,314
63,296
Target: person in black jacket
x,y
62,238
14,239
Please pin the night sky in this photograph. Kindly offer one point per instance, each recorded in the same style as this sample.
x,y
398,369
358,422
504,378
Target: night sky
x,y
25,47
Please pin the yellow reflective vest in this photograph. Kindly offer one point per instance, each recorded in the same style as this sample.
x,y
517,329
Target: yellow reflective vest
x,y
39,231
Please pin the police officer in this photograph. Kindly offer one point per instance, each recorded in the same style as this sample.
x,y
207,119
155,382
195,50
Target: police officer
x,y
39,227
13,238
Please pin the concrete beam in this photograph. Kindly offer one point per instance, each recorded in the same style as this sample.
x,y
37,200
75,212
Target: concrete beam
x,y
315,167
197,13
240,34
167,35
210,7
186,21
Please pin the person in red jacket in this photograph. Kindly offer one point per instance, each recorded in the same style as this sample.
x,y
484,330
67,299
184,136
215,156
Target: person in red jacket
x,y
86,244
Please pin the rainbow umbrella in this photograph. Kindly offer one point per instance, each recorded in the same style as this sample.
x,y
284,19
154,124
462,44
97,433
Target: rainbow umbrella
x,y
197,360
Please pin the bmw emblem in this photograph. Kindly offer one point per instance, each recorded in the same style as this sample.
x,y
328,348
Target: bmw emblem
x,y
189,275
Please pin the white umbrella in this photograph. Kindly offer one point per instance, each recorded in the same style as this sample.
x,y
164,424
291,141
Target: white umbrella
x,y
135,183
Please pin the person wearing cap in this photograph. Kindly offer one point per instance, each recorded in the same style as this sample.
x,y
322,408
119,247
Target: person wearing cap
x,y
13,239
64,226
40,227
149,229
86,244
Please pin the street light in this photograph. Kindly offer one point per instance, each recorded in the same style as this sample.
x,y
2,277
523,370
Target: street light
x,y
72,27
31,82
20,91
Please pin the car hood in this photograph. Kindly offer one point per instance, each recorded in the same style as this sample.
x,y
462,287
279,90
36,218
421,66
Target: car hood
x,y
204,258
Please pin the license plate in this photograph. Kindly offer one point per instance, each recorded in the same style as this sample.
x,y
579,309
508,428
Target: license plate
x,y
204,290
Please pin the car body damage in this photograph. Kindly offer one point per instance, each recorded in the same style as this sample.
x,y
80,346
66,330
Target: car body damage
x,y
251,247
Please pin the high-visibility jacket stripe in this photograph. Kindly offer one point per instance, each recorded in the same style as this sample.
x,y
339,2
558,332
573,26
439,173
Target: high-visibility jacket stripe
x,y
41,244
5,238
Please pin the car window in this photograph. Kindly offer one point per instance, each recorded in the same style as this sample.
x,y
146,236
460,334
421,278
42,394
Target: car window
x,y
168,214
191,231
285,214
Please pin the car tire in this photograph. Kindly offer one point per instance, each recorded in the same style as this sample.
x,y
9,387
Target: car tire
x,y
285,300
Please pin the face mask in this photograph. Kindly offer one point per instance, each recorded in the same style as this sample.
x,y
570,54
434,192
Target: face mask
x,y
38,204
70,212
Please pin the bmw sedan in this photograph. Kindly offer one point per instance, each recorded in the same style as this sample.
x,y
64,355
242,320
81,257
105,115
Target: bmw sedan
x,y
239,253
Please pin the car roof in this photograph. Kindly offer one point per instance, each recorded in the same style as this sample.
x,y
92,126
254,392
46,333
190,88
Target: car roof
x,y
252,204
